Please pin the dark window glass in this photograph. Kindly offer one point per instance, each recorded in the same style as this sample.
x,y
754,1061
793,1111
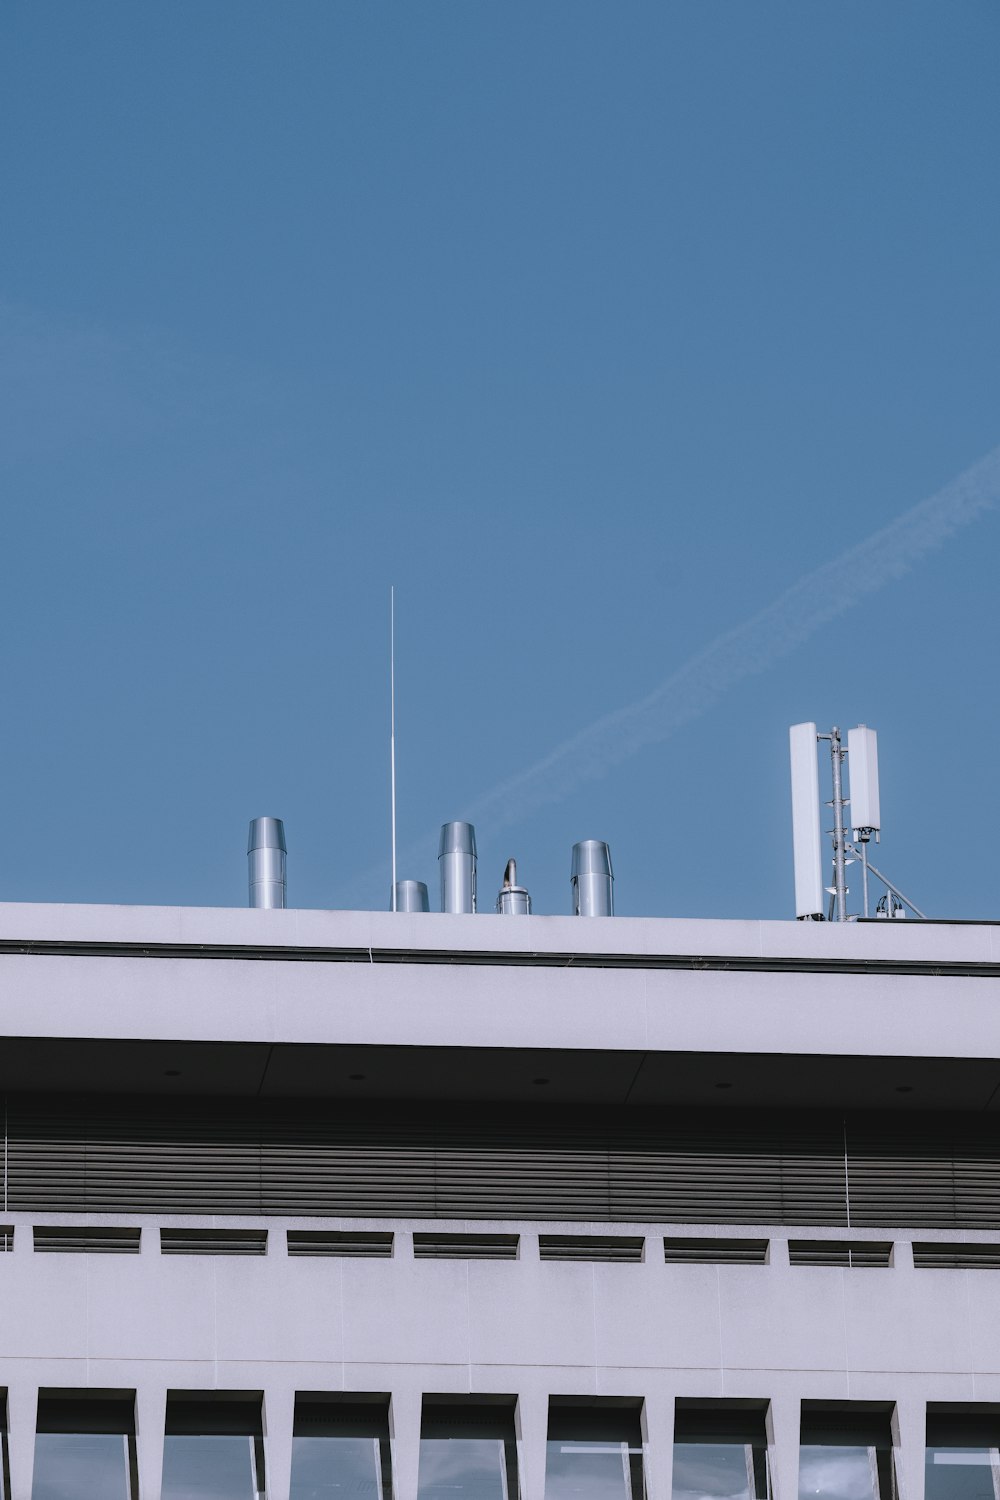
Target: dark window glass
x,y
213,1450
594,1453
963,1454
84,1446
720,1455
846,1455
340,1451
954,1473
467,1453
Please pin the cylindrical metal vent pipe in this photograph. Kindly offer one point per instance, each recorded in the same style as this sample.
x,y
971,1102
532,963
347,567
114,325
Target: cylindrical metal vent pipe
x,y
457,863
266,852
513,899
411,895
592,879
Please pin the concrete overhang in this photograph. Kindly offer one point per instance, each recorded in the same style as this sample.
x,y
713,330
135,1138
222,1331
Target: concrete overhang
x,y
623,1010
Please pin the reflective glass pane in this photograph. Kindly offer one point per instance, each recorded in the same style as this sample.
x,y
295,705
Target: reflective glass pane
x,y
80,1465
715,1471
838,1472
336,1468
462,1469
210,1466
954,1473
580,1470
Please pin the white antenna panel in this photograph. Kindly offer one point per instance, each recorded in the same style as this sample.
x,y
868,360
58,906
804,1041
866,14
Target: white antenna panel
x,y
862,763
809,898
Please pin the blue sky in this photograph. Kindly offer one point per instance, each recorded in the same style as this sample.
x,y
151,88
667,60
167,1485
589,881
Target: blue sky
x,y
591,327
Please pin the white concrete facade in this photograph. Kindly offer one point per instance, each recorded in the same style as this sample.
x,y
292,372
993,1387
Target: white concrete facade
x,y
777,1333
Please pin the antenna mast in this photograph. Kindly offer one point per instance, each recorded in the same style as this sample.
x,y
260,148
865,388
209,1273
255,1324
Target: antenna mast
x,y
392,730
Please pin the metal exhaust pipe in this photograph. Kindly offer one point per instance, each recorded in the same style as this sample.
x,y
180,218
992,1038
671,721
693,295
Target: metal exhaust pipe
x,y
513,900
411,895
457,863
266,852
592,879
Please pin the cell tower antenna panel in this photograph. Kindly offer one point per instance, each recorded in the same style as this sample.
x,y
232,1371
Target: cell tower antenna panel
x,y
806,836
862,764
392,737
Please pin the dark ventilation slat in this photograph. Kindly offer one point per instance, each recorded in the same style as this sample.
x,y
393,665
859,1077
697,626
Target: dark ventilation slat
x,y
962,1257
341,1242
430,1246
91,1239
933,1171
853,1253
94,1154
213,1241
6,1237
614,1247
691,1250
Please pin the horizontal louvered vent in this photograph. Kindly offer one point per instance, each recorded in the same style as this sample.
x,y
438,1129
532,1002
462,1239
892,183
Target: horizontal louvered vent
x,y
715,1252
213,1241
957,1257
617,1247
839,1252
90,1239
465,1246
366,1243
296,1158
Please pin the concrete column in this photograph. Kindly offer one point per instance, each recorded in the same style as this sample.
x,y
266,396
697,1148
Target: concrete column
x,y
531,1422
909,1440
22,1411
784,1426
404,1428
279,1422
150,1420
657,1421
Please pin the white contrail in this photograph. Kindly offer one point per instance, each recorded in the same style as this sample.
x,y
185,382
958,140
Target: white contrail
x,y
745,651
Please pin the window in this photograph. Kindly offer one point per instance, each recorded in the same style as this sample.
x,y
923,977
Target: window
x,y
467,1451
213,1448
340,1449
963,1455
594,1452
84,1446
846,1454
720,1451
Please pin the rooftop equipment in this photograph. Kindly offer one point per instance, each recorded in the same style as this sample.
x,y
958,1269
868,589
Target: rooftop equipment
x,y
806,841
862,755
411,895
591,879
266,853
457,863
513,899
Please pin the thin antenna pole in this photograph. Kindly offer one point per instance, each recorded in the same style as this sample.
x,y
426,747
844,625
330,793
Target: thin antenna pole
x,y
839,871
392,730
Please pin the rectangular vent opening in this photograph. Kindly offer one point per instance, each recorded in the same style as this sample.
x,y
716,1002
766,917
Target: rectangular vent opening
x,y
356,1242
840,1252
90,1239
465,1246
614,1247
714,1252
213,1241
957,1257
6,1237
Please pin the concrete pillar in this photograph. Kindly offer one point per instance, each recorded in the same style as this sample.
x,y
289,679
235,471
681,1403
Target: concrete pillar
x,y
657,1421
150,1420
405,1408
784,1426
22,1412
531,1422
279,1423
909,1440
